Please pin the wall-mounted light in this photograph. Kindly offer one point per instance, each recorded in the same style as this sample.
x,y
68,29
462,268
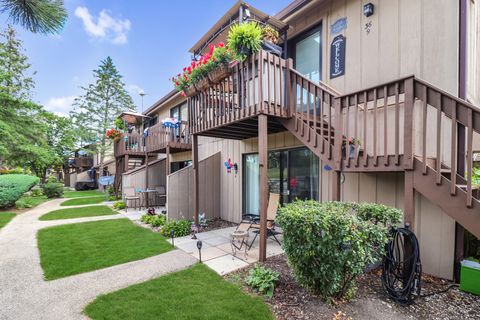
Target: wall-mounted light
x,y
368,9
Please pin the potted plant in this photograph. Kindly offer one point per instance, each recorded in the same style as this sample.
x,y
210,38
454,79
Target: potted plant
x,y
113,134
270,41
245,39
218,67
183,84
354,147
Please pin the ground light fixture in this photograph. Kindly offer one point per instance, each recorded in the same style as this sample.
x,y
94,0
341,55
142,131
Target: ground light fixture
x,y
172,235
199,246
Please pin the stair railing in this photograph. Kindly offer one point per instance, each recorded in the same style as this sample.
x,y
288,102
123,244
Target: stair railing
x,y
440,115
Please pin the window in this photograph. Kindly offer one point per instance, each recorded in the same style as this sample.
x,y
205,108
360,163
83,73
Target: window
x,y
294,174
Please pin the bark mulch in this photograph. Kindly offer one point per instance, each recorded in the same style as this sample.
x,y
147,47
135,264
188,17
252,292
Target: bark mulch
x,y
291,301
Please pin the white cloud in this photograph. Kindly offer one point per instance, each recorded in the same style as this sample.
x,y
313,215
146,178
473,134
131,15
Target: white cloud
x,y
106,27
60,105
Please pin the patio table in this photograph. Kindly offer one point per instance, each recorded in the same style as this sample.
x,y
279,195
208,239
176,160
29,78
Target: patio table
x,y
145,195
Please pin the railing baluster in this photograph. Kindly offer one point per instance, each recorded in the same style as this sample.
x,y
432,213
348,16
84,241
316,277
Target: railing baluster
x,y
329,134
357,148
322,122
315,117
365,137
347,133
424,128
438,103
308,110
269,97
274,83
301,103
260,83
469,156
249,82
397,124
385,128
375,155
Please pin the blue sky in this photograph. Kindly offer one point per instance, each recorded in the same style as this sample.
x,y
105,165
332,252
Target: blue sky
x,y
148,41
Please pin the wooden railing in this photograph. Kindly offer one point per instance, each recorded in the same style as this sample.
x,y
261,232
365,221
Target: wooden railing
x,y
257,85
157,140
160,138
83,162
440,115
371,126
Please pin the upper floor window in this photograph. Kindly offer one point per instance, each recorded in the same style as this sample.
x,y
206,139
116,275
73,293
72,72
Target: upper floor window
x,y
180,112
307,53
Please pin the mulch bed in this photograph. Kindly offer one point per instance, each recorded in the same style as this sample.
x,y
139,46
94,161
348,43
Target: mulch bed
x,y
214,224
291,301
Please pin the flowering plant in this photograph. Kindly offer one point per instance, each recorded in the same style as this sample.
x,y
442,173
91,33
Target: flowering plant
x,y
354,141
113,134
199,69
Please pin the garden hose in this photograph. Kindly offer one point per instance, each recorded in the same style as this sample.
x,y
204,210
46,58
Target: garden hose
x,y
402,269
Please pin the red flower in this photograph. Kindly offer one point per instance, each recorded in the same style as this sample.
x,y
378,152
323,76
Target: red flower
x,y
221,44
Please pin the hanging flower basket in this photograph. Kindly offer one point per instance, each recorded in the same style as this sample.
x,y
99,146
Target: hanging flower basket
x,y
219,73
113,134
190,91
202,84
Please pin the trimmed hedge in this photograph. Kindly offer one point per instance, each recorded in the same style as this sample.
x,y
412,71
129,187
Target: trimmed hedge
x,y
329,244
53,189
13,186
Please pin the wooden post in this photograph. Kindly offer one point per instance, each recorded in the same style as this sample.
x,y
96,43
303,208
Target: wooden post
x,y
263,164
146,172
167,161
125,164
336,185
196,207
408,123
409,210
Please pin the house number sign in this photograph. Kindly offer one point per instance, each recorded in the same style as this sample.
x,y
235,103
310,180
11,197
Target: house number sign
x,y
337,56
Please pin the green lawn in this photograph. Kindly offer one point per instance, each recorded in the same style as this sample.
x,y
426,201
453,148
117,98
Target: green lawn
x,y
76,248
81,201
195,293
5,218
78,213
79,194
29,202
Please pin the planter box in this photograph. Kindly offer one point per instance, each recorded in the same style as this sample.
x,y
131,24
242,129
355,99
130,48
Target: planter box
x,y
219,73
470,277
202,85
190,91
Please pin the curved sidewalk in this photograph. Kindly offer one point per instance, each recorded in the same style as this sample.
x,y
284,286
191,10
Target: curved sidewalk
x,y
24,294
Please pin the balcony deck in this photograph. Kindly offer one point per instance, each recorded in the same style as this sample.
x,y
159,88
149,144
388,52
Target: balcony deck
x,y
158,140
229,108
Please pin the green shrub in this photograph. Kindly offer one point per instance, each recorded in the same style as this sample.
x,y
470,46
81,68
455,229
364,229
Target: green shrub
x,y
180,227
245,39
119,205
53,190
13,186
262,279
329,244
36,192
12,171
52,179
154,220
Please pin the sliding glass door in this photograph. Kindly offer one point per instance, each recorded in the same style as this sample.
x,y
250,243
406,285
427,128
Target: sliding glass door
x,y
291,173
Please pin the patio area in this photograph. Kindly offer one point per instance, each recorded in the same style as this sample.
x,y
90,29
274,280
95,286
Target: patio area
x,y
217,250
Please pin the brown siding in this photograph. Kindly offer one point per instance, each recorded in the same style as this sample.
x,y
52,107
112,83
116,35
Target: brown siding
x,y
180,190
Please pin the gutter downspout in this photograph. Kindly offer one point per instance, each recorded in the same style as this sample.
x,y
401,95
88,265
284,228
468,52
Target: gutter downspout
x,y
462,93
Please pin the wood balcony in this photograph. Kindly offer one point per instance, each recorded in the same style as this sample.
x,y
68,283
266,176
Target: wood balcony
x,y
83,162
228,109
158,140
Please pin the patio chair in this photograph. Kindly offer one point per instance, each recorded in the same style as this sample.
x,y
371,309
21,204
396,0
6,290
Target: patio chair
x,y
253,222
160,195
130,195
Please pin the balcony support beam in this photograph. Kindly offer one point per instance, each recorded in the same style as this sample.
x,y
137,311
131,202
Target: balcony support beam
x,y
196,193
263,164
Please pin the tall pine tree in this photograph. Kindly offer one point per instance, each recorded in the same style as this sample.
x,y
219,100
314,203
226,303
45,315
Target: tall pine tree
x,y
16,79
96,110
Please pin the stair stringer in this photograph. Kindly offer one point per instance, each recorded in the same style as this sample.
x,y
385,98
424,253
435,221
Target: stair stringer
x,y
453,205
314,143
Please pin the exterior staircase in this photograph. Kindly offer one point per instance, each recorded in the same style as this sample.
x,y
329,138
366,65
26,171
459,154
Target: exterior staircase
x,y
327,135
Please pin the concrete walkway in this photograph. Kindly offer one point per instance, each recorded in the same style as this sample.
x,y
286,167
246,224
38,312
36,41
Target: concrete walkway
x,y
217,250
24,294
